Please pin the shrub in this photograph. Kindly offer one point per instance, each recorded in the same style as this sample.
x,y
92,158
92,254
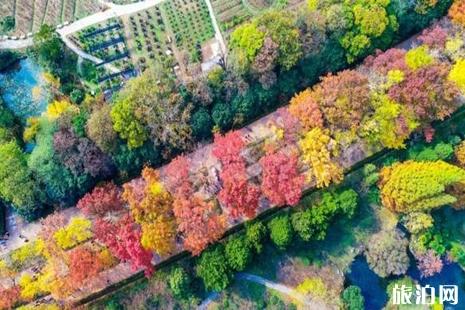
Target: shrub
x,y
255,233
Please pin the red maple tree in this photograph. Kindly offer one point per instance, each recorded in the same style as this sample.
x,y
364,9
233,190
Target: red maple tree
x,y
227,148
101,200
282,183
238,195
123,240
83,264
199,222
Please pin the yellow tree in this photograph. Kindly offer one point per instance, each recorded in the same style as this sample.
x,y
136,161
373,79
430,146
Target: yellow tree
x,y
317,148
151,206
418,186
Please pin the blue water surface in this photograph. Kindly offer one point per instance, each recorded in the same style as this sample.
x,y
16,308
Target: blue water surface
x,y
17,88
374,287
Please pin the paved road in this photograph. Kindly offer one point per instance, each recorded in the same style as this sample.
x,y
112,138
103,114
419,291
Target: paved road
x,y
114,10
15,44
218,34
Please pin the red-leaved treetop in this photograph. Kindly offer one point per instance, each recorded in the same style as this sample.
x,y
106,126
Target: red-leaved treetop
x,y
429,263
9,297
238,195
343,98
382,62
123,238
427,93
282,183
49,226
83,264
176,174
199,222
101,200
227,148
289,124
305,108
434,36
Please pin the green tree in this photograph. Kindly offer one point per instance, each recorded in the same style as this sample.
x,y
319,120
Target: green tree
x,y
16,183
353,298
255,234
281,231
311,223
201,124
48,48
7,24
238,253
249,38
281,27
213,268
77,95
179,282
126,123
222,115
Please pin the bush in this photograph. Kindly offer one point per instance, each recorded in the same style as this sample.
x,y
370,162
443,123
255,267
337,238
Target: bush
x,y
281,232
353,298
7,24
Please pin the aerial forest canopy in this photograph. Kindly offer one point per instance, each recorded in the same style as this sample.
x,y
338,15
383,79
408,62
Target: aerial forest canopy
x,y
163,166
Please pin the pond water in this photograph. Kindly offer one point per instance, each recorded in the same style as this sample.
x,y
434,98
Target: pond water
x,y
374,287
24,90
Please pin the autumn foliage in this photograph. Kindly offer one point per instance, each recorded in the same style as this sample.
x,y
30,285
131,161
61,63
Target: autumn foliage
x,y
318,149
199,222
151,207
415,186
343,98
9,297
457,12
123,238
238,194
101,200
83,264
282,183
305,108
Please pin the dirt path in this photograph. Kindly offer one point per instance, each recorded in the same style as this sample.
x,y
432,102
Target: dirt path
x,y
306,301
